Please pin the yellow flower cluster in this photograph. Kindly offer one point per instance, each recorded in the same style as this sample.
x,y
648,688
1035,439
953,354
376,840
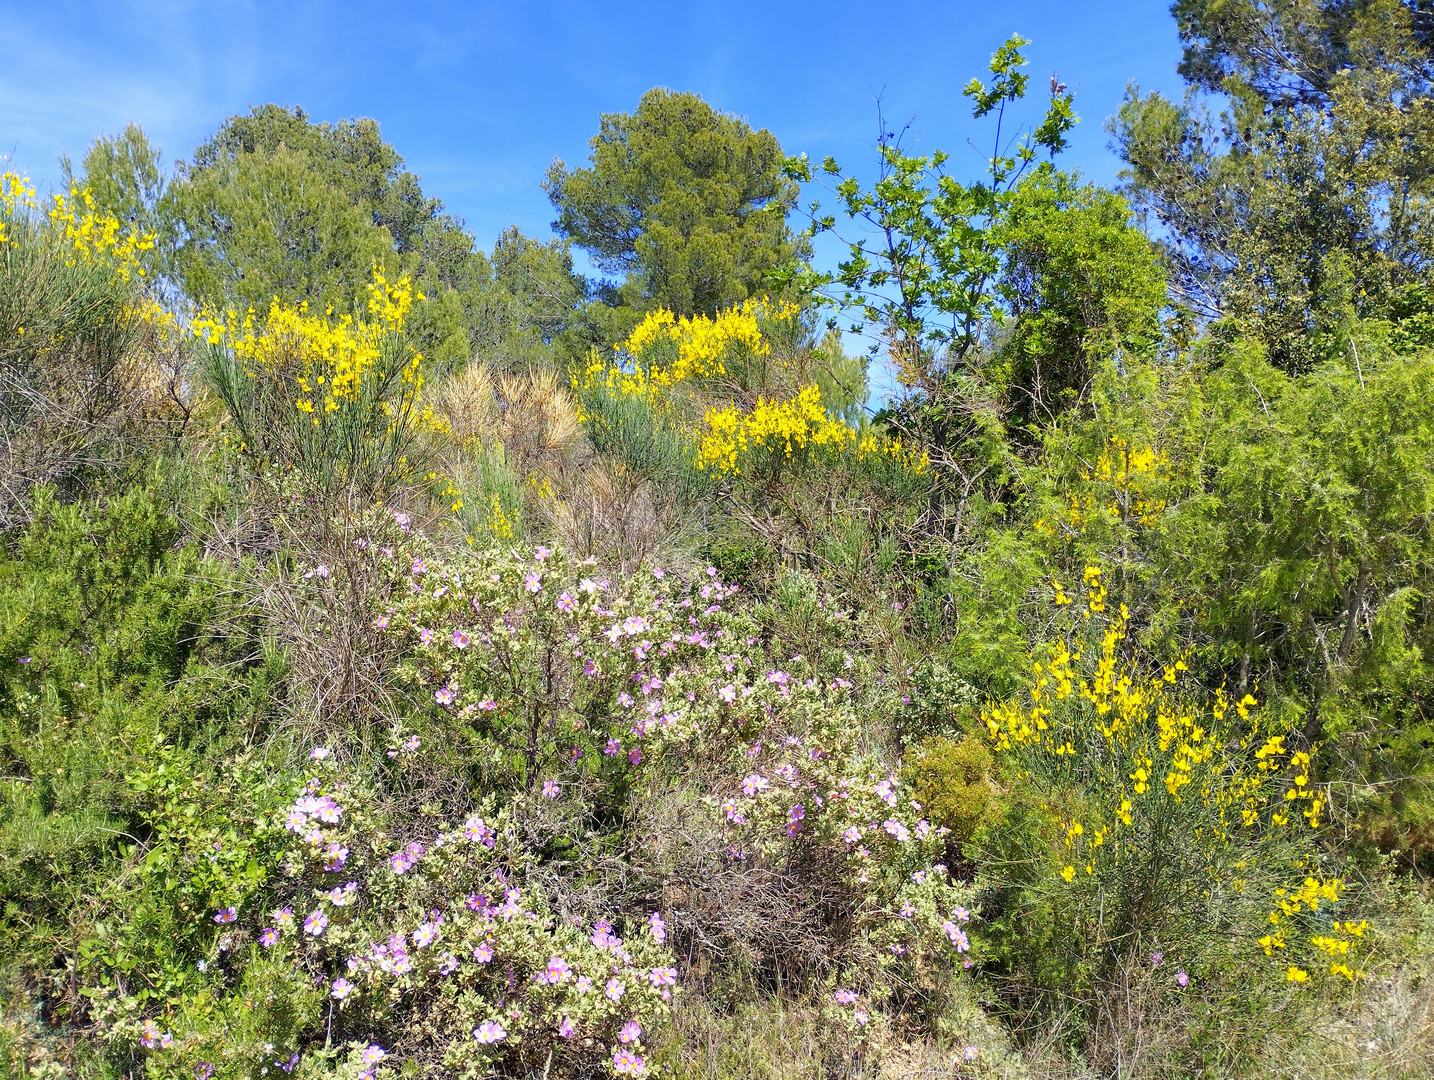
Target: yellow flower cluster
x,y
1129,470
97,236
164,322
333,401
616,381
16,193
450,491
1291,903
332,362
1124,480
87,233
1138,737
695,347
1145,722
498,523
665,349
730,438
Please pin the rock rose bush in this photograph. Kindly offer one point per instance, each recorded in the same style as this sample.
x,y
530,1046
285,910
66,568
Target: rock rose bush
x,y
372,941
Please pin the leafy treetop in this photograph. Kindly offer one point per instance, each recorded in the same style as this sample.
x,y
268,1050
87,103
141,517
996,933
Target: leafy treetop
x,y
689,202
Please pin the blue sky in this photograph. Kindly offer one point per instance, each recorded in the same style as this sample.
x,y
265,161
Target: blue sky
x,y
480,97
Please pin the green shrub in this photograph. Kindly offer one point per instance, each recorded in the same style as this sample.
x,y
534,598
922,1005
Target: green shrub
x,y
953,783
744,560
119,654
81,385
1163,847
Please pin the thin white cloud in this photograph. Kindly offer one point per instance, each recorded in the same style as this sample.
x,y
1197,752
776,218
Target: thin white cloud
x,y
62,84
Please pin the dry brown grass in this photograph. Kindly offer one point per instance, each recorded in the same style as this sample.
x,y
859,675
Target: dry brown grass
x,y
599,510
788,1037
591,504
339,660
1384,1033
531,413
761,1039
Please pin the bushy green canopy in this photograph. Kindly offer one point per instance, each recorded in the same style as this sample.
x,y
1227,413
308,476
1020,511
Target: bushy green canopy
x,y
687,201
1306,199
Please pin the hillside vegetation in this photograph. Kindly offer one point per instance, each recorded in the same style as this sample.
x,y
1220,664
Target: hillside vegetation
x,y
422,661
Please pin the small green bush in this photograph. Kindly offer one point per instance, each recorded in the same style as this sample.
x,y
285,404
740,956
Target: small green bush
x,y
952,780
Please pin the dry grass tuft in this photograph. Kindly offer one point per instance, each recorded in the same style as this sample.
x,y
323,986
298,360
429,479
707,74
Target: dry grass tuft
x,y
599,509
531,413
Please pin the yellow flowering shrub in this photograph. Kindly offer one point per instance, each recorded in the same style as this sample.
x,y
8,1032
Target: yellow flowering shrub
x,y
493,513
17,195
1126,482
669,363
87,241
338,398
730,438
83,233
498,523
1178,816
96,235
332,362
671,349
666,350
89,377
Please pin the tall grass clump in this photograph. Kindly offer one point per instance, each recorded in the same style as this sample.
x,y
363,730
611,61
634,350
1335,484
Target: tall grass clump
x,y
510,433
